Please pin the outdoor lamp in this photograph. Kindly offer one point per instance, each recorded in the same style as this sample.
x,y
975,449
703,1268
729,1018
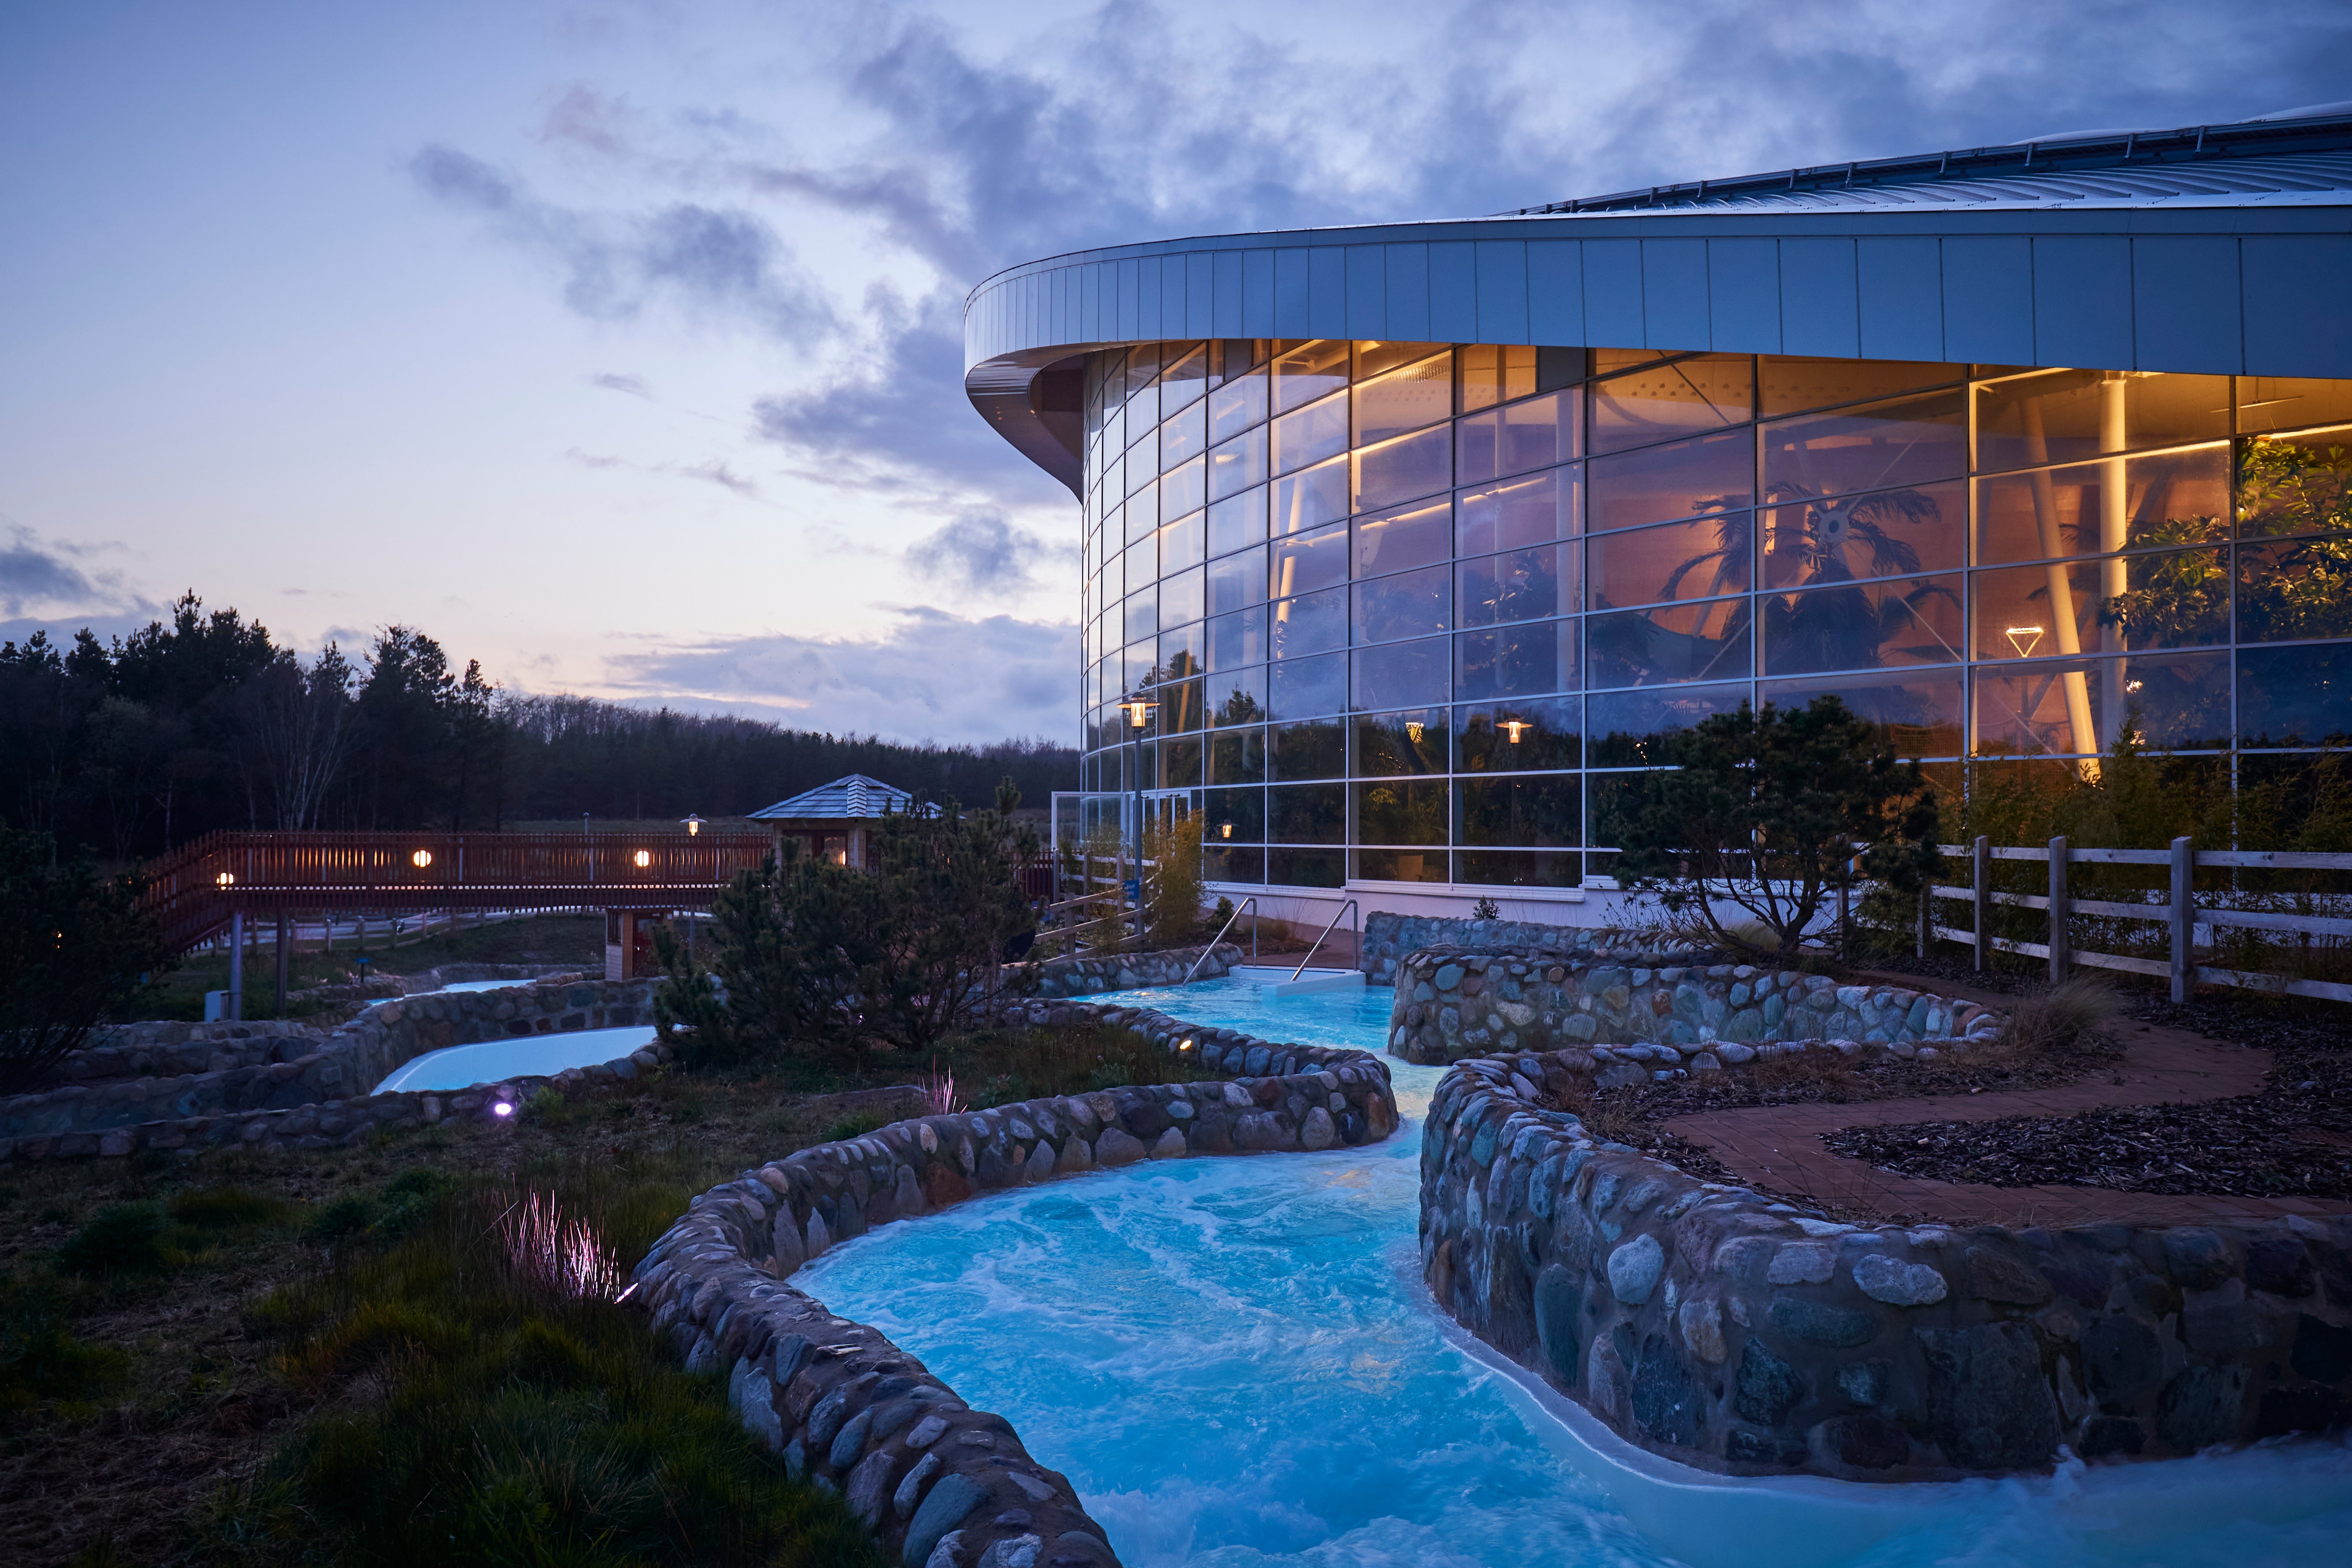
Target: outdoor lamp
x,y
2024,639
1224,830
1514,726
692,823
1139,711
226,880
421,859
643,857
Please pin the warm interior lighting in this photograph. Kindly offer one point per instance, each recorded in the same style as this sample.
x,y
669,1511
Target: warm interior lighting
x,y
1413,732
2024,639
2133,685
643,857
227,879
421,859
1514,726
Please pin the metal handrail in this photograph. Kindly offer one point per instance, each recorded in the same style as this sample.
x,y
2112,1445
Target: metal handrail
x,y
1311,952
1250,902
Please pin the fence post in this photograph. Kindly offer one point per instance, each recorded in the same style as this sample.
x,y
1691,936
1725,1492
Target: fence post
x,y
1925,890
1980,873
2059,953
2184,916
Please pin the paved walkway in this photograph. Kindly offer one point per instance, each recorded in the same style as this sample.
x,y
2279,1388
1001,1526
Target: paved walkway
x,y
1780,1146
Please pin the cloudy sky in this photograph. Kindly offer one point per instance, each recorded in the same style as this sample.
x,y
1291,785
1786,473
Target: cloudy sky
x,y
617,345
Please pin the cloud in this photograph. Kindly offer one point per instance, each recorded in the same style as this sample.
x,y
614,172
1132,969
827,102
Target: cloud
x,y
931,677
709,261
979,553
710,471
42,587
635,385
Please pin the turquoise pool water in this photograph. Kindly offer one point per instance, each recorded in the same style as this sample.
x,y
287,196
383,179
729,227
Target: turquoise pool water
x,y
1236,1362
492,1061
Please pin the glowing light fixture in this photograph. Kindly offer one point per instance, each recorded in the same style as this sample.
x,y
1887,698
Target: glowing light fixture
x,y
1137,712
691,823
226,880
2024,639
421,859
1415,729
2133,685
643,857
1514,726
1185,1046
1224,830
500,1107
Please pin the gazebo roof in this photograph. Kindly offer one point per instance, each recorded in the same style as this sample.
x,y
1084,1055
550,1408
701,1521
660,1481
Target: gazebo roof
x,y
854,798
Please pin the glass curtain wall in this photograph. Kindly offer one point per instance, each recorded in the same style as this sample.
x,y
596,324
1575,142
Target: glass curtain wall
x,y
1420,613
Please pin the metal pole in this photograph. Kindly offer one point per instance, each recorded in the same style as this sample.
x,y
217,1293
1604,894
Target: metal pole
x,y
1980,873
236,964
2058,950
285,940
1138,837
2184,916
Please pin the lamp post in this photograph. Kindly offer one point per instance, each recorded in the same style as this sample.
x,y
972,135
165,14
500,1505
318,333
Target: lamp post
x,y
692,823
1139,711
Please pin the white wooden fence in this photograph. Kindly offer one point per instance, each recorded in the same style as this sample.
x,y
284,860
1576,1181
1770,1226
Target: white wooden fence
x,y
2179,911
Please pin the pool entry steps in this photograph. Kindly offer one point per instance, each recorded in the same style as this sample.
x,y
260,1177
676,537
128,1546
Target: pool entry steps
x,y
1720,1329
942,1485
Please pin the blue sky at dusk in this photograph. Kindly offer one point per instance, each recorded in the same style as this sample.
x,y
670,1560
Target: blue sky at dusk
x,y
619,345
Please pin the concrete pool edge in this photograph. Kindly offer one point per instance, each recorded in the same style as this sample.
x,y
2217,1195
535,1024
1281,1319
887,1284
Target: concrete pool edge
x,y
843,1404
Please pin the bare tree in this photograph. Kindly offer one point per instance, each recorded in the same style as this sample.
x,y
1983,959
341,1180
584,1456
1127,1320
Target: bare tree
x,y
299,723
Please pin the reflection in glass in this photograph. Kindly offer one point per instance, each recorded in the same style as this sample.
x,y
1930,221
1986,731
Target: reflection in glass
x,y
1311,433
1245,868
1181,653
1411,742
1306,868
1309,561
1184,436
1544,811
2061,415
2297,484
1407,537
1400,811
1180,760
1706,641
1529,659
1311,498
1789,384
1876,447
1919,715
1624,729
1492,374
1237,406
1233,816
1375,358
1303,371
2287,591
1521,736
1310,624
1180,543
1672,398
1237,756
1393,674
1714,473
2173,497
2295,697
1307,813
1700,559
1411,604
1186,377
1237,581
1303,688
1872,625
1182,597
1400,865
1535,433
1237,521
2077,707
1532,510
1412,398
1516,586
2268,402
1142,614
1402,469
1237,696
1237,639
1317,750
1237,465
1517,869
1183,489
1894,533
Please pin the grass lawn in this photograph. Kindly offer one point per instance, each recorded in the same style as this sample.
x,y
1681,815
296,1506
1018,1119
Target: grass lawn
x,y
331,1358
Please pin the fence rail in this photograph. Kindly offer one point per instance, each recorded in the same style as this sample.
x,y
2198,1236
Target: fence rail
x,y
2178,912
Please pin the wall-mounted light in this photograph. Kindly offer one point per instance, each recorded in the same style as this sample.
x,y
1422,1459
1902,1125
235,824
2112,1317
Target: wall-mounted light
x,y
643,857
421,859
2024,639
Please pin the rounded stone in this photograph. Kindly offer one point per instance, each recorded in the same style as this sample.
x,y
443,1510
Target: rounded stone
x,y
1898,1283
1634,1269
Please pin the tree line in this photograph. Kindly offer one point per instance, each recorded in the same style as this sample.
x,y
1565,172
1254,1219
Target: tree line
x,y
202,721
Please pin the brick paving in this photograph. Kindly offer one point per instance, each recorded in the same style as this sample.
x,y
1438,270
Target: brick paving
x,y
1780,1146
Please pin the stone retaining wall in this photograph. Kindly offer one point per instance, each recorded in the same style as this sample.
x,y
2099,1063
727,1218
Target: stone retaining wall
x,y
168,1048
942,1485
1128,971
1455,1002
1390,936
337,1067
1722,1329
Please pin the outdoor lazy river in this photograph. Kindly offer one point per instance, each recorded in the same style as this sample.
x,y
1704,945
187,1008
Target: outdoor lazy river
x,y
1236,1364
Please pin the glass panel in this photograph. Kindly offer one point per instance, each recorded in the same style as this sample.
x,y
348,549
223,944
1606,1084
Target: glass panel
x,y
1542,431
1237,465
1180,543
2059,415
1714,473
1524,660
1312,751
1306,868
1876,446
1139,660
1401,811
2297,484
1233,815
1181,652
1142,614
1184,437
1396,674
1678,397
1413,742
1375,358
1237,639
1237,756
1143,514
1878,625
1609,361
1303,371
2301,589
1186,377
1114,479
2294,697
1312,624
1244,867
2277,403
2177,498
1516,586
1304,687
1238,696
1919,715
1789,384
1891,534
1142,407
1238,356
1623,727
1180,760
1141,563
1401,469
1237,581
1408,536
1400,865
1524,512
2107,605
1410,399
2074,707
1516,737
1310,561
1182,597
1693,560
1237,521
1237,406
1517,869
1311,498
1183,489
1309,435
1114,442
1492,374
1410,606
1707,641
1307,813
1539,810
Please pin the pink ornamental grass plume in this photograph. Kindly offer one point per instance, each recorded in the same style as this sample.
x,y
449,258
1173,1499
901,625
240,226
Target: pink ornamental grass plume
x,y
558,1255
941,1092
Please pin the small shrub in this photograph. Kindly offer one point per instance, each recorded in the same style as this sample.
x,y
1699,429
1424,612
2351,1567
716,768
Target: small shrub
x,y
40,1360
1486,908
226,1208
2058,1020
409,1199
121,1238
341,1220
857,1125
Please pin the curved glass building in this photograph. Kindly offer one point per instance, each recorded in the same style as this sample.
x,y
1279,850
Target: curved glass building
x,y
1420,536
